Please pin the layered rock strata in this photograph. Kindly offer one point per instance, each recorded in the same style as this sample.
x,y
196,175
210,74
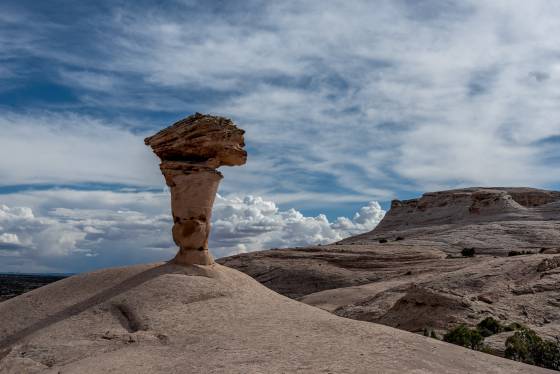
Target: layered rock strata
x,y
191,150
476,204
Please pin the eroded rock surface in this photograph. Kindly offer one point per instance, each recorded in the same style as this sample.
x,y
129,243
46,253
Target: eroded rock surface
x,y
164,318
190,151
419,279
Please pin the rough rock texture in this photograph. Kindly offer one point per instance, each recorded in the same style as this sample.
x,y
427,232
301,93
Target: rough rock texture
x,y
165,318
491,220
418,279
190,151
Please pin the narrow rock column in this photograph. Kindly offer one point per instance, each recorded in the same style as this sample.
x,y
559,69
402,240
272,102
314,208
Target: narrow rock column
x,y
191,150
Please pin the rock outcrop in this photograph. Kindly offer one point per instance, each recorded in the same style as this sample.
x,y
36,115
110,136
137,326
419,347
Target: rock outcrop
x,y
472,205
491,220
190,151
409,272
165,318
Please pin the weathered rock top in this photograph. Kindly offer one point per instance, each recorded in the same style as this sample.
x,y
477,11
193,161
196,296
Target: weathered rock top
x,y
475,204
524,196
200,139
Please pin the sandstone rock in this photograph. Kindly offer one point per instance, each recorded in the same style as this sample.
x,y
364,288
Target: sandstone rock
x,y
164,318
360,278
549,264
491,220
471,205
190,151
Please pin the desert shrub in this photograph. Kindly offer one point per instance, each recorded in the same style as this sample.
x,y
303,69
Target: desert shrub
x,y
513,326
489,326
526,346
430,333
463,336
399,238
468,252
382,240
486,349
519,253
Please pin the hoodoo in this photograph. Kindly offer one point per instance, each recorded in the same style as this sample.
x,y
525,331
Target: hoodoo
x,y
191,150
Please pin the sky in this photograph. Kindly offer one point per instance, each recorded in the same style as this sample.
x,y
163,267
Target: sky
x,y
346,105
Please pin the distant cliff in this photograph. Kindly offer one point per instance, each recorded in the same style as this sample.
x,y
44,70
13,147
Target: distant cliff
x,y
494,220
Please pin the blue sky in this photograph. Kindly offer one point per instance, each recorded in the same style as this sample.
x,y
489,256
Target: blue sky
x,y
344,103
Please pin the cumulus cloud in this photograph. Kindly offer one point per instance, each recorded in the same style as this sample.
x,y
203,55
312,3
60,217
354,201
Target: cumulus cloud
x,y
49,147
118,228
252,223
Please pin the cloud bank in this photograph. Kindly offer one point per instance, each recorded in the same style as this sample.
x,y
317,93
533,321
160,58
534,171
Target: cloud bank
x,y
51,233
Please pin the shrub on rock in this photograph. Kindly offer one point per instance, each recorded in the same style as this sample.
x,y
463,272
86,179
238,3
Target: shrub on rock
x,y
463,336
526,346
489,326
468,252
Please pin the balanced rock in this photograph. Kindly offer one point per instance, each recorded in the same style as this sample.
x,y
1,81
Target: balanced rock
x,y
190,151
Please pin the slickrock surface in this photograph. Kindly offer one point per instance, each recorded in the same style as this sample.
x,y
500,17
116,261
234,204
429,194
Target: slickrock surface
x,y
418,279
190,151
166,318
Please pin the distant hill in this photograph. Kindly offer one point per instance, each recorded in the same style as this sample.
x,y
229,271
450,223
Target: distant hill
x,y
14,284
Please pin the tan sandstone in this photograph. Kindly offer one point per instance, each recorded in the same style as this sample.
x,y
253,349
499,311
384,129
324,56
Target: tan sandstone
x,y
190,151
165,318
418,279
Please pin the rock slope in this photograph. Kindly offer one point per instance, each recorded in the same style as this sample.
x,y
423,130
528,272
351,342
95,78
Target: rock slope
x,y
166,318
409,273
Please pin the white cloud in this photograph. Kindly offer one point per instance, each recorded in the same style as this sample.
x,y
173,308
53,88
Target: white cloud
x,y
48,147
9,238
252,223
116,228
406,96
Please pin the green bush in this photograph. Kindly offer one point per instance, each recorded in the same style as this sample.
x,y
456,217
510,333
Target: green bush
x,y
489,326
468,252
463,336
513,326
429,333
526,346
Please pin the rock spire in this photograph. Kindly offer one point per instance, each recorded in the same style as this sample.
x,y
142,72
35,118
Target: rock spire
x,y
190,151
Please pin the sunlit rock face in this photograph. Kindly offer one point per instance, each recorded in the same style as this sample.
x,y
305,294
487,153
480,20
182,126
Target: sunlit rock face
x,y
191,150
